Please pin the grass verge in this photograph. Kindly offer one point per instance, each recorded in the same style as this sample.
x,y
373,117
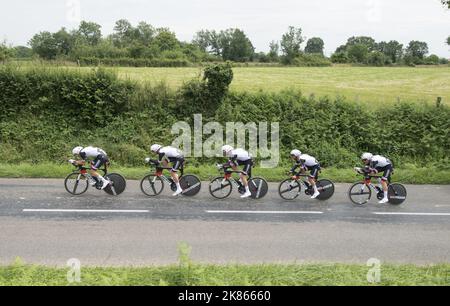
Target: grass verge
x,y
408,175
190,274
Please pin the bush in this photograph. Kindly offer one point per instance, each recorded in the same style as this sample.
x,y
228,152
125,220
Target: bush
x,y
311,60
46,112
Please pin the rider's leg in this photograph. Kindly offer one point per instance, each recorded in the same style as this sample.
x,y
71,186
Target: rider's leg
x,y
174,175
312,180
96,164
384,183
246,170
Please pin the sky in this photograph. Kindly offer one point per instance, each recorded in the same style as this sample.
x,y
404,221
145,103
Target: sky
x,y
262,20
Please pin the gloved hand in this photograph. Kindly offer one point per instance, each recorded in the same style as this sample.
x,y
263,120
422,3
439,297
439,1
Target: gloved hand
x,y
147,160
72,161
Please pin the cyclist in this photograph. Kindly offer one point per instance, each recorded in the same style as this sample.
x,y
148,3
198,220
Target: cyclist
x,y
239,157
376,164
306,162
174,156
98,157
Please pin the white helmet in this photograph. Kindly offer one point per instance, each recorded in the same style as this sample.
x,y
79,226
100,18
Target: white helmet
x,y
296,153
155,148
227,149
77,150
367,156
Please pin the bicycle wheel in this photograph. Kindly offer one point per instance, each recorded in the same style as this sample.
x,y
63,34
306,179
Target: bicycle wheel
x,y
191,185
117,186
258,187
360,193
326,189
220,189
76,183
289,189
396,194
152,185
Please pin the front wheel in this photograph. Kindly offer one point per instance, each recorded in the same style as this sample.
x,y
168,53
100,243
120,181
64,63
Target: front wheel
x,y
117,185
76,183
326,189
191,185
220,188
289,189
396,194
359,193
152,185
258,187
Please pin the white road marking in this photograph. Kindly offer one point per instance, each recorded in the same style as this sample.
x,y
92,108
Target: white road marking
x,y
85,211
261,212
412,214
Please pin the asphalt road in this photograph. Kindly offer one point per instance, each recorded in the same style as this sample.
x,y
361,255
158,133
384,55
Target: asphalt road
x,y
43,224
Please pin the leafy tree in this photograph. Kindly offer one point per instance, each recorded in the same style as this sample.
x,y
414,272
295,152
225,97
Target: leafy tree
x,y
64,41
291,44
339,58
236,46
45,45
369,42
166,40
358,53
123,33
23,52
448,40
90,33
145,33
417,49
5,52
392,49
432,60
376,58
274,51
314,45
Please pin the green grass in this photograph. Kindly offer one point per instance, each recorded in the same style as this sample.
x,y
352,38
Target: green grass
x,y
371,86
368,85
191,274
408,175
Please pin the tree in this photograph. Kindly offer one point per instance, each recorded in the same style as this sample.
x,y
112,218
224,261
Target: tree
x,y
123,33
23,52
446,3
417,49
90,33
5,52
433,59
291,44
274,51
376,58
339,58
64,41
145,33
314,45
393,50
45,45
236,46
358,53
448,40
166,40
369,42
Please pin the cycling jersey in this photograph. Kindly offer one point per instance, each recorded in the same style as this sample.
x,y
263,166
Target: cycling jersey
x,y
382,164
170,153
307,162
98,155
379,161
240,155
91,152
174,156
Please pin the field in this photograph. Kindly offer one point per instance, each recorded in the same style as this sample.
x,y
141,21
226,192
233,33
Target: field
x,y
361,84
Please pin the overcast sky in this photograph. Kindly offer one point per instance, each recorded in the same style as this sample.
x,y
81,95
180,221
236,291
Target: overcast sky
x,y
262,20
